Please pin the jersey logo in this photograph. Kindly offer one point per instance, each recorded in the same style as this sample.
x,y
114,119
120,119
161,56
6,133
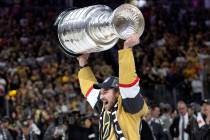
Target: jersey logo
x,y
106,126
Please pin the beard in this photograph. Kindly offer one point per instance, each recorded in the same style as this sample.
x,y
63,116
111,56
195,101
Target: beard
x,y
109,104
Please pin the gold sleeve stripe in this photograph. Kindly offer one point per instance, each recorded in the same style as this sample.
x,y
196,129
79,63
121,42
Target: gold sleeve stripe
x,y
131,84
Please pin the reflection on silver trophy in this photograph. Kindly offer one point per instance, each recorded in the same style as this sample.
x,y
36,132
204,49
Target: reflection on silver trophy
x,y
97,28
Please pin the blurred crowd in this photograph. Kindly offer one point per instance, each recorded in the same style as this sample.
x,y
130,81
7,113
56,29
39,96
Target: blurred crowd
x,y
39,91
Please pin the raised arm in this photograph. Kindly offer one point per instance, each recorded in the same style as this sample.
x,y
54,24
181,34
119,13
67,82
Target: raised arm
x,y
86,80
132,100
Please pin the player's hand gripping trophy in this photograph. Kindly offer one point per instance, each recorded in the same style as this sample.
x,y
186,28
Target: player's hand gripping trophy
x,y
97,28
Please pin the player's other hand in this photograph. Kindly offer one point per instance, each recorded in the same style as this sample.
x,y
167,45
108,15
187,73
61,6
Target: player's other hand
x,y
131,41
83,59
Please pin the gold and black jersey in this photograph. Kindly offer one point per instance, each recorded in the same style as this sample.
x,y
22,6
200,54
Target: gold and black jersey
x,y
131,106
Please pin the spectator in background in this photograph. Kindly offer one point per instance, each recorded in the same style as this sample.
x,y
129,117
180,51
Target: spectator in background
x,y
156,123
58,128
203,132
4,129
95,125
145,131
88,129
33,127
26,132
166,119
199,128
179,125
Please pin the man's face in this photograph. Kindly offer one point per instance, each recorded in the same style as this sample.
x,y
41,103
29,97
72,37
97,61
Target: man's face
x,y
182,108
190,111
205,108
156,112
5,124
25,130
107,96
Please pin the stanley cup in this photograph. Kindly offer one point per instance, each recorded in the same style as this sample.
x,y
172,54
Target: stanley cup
x,y
97,28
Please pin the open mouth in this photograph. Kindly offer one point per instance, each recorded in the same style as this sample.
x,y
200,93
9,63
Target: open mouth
x,y
106,102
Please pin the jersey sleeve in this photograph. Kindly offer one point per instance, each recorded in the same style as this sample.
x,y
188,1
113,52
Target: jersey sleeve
x,y
86,81
132,100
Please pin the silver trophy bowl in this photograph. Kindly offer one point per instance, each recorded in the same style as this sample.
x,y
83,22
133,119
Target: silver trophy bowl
x,y
97,28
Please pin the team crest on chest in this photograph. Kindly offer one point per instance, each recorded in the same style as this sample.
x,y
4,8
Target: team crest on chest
x,y
106,126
